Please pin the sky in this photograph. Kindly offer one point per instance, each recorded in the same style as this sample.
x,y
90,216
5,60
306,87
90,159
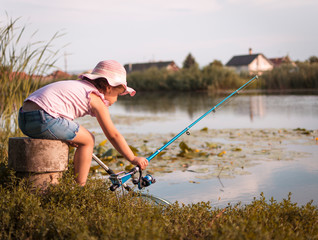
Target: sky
x,y
136,31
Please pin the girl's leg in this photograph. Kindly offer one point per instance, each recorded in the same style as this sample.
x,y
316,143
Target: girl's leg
x,y
83,155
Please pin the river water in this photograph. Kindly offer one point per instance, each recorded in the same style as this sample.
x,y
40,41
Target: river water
x,y
169,113
174,111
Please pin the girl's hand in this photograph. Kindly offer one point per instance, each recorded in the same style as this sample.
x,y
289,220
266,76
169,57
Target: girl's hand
x,y
141,162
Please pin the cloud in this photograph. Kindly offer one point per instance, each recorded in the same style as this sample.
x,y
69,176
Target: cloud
x,y
199,6
271,4
126,6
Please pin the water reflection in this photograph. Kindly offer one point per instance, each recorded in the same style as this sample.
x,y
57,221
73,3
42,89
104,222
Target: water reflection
x,y
242,111
168,102
257,106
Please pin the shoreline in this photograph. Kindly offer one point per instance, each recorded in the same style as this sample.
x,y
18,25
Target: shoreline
x,y
264,91
273,91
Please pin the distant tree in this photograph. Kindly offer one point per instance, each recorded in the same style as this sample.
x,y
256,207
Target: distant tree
x,y
189,62
216,63
313,59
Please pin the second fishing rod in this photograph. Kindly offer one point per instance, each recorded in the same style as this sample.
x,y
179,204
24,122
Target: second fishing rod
x,y
121,178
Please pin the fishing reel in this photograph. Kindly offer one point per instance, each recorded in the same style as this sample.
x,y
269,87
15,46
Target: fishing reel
x,y
121,177
145,181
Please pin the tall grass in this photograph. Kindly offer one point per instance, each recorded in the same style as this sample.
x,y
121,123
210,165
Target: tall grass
x,y
21,68
287,76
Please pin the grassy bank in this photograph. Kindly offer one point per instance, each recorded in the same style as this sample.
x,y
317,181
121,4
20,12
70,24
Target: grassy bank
x,y
67,211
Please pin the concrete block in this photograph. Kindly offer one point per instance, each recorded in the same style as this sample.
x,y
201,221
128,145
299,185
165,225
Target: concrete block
x,y
43,161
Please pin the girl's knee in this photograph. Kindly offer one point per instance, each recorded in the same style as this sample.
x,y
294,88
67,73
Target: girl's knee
x,y
84,138
89,139
92,139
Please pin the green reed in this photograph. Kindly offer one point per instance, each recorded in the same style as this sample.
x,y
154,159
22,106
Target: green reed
x,y
23,62
302,76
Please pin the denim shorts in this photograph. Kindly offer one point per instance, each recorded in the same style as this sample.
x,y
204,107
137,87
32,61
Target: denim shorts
x,y
39,124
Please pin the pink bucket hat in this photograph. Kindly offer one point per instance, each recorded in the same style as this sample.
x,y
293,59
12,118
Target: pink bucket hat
x,y
114,73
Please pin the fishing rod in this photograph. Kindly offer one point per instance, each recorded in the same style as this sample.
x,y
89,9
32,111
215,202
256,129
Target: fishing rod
x,y
121,178
108,170
153,199
142,181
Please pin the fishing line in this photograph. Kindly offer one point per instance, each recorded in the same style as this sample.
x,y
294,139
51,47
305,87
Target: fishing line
x,y
227,102
231,99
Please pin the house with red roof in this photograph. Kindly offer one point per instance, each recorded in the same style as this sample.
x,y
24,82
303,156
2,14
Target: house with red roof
x,y
282,60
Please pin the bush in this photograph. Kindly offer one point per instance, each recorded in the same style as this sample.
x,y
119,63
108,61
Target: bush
x,y
68,211
186,79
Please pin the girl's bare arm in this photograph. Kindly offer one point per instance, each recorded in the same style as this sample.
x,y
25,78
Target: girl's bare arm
x,y
113,135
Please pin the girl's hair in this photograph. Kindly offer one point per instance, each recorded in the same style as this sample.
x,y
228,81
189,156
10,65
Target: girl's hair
x,y
100,84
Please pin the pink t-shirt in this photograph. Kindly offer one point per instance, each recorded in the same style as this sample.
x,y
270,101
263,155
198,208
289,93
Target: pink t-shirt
x,y
68,99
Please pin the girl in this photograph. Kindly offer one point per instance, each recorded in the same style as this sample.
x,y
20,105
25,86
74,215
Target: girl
x,y
49,113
